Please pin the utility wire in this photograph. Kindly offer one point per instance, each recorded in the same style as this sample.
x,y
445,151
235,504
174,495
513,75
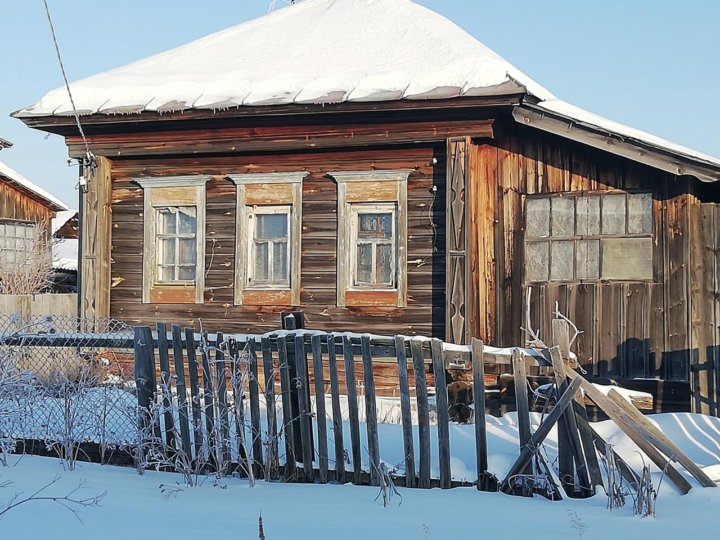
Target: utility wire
x,y
89,160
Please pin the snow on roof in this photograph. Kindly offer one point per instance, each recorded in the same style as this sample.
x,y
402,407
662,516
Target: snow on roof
x,y
12,176
61,218
368,50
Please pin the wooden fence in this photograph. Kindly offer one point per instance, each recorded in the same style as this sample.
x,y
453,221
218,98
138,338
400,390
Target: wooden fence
x,y
28,306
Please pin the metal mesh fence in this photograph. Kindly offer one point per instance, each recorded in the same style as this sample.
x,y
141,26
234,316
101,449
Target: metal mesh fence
x,y
64,379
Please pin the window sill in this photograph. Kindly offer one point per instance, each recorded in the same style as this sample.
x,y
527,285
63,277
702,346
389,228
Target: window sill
x,y
372,298
267,297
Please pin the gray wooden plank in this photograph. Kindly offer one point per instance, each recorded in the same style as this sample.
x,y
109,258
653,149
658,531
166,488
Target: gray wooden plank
x,y
194,391
423,412
183,408
443,417
254,394
320,414
478,371
352,409
287,421
302,387
272,470
406,413
166,384
336,412
370,411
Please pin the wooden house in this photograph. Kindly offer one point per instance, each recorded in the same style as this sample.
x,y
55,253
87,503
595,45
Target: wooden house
x,y
395,176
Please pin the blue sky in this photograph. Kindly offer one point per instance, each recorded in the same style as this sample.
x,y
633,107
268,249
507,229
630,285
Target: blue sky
x,y
651,64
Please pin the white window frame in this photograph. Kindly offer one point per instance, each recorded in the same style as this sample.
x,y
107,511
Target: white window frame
x,y
356,210
283,190
253,212
177,237
164,192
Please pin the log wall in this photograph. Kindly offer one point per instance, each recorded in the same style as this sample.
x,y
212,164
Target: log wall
x,y
16,205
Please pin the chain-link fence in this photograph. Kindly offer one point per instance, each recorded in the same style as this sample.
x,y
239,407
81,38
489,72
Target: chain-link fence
x,y
66,381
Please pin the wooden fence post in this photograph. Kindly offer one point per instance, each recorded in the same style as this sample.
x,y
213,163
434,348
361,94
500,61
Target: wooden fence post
x,y
478,371
443,417
144,373
408,446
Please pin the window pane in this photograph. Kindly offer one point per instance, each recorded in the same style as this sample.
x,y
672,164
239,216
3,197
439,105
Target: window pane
x,y
587,257
166,274
186,273
536,261
166,253
375,225
588,216
562,260
187,220
166,221
627,258
640,214
261,262
538,218
270,226
280,260
384,263
613,214
188,251
563,216
364,263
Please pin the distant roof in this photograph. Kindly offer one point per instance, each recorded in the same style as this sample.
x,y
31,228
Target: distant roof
x,y
321,52
4,143
14,178
61,219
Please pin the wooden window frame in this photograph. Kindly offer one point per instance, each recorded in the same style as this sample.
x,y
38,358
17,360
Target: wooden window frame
x,y
267,190
599,237
163,192
365,188
356,210
253,212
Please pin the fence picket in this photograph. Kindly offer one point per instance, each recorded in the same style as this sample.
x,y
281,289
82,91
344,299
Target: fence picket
x,y
165,380
302,387
523,415
443,417
194,390
320,415
421,394
222,401
144,374
406,413
238,405
184,416
352,409
257,451
336,411
208,398
287,421
370,411
478,371
273,468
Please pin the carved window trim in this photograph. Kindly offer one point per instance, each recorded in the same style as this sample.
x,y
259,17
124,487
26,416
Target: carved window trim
x,y
364,188
610,238
172,191
267,190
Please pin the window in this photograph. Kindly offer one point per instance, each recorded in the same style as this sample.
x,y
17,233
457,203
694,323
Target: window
x,y
586,237
372,238
17,241
174,239
268,229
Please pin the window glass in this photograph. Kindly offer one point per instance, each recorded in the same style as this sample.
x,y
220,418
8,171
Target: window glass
x,y
640,214
563,216
536,261
16,243
588,215
587,259
374,240
269,247
538,218
613,214
562,260
176,243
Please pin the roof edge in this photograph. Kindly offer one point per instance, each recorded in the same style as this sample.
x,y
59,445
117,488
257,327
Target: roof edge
x,y
665,159
4,143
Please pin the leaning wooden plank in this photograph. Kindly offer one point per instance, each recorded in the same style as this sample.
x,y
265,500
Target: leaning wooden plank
x,y
423,409
523,411
568,435
223,418
478,371
336,411
287,421
273,468
302,387
194,389
320,415
405,411
166,387
627,473
633,431
370,411
538,437
352,409
253,390
184,417
443,417
671,450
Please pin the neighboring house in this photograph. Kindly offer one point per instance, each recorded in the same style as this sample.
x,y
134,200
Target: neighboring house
x,y
392,175
65,234
25,209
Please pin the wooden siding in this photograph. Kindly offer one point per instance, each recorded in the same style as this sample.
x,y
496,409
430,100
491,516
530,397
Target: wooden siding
x,y
630,329
426,225
14,204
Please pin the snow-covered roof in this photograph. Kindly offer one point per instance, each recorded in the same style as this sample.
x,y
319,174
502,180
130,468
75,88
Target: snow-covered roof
x,y
4,143
13,177
319,52
61,218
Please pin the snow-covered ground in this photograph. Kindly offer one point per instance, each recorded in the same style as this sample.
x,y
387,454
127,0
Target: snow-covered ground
x,y
135,504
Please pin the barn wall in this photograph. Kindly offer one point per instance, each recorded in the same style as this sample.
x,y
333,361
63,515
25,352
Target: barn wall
x,y
630,329
426,224
16,205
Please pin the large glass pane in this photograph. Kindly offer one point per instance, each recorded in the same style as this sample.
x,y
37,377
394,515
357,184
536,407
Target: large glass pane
x,y
588,215
536,261
166,251
187,220
187,253
166,221
186,273
587,259
280,261
364,263
613,214
384,263
261,262
640,214
562,260
537,221
269,226
627,259
377,225
563,216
